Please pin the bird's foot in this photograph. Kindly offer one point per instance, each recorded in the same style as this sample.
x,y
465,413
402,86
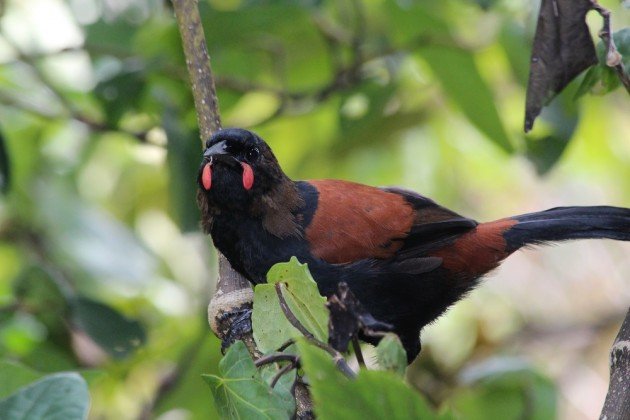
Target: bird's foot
x,y
240,325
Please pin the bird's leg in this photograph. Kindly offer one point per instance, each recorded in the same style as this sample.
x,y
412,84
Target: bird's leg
x,y
241,325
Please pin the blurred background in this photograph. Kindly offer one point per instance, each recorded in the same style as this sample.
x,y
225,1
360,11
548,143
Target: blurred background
x,y
103,268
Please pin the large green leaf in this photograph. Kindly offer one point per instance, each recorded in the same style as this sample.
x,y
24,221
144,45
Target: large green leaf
x,y
61,396
457,72
372,395
116,334
15,376
560,119
270,326
241,393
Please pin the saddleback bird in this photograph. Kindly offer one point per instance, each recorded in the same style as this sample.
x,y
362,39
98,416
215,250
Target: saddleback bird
x,y
406,258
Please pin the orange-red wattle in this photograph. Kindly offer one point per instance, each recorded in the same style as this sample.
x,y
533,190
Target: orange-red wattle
x,y
206,176
248,176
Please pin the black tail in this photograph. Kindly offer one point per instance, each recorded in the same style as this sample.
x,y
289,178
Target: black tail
x,y
564,223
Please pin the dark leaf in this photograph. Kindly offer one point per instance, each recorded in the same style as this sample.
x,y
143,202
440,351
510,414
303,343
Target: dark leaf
x,y
561,119
121,93
114,333
61,396
4,166
563,48
183,158
348,318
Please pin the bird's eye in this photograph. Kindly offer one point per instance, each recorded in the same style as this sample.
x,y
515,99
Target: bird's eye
x,y
208,143
252,154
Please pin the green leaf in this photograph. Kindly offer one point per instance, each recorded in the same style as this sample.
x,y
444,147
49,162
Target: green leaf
x,y
270,326
505,388
61,396
284,385
391,355
561,119
4,166
373,394
516,45
114,333
15,376
471,93
241,393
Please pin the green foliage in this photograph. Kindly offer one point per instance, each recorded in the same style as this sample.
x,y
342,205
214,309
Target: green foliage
x,y
100,145
61,396
270,325
241,393
391,354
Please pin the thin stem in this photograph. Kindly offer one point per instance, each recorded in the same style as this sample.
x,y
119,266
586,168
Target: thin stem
x,y
281,372
614,59
357,351
274,358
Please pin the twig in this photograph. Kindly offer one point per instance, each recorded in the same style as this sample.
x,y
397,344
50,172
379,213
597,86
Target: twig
x,y
357,351
614,59
198,64
281,372
338,358
274,358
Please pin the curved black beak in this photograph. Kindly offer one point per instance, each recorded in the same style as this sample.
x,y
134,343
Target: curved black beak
x,y
216,149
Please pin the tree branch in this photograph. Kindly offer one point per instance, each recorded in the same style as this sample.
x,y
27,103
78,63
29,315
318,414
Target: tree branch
x,y
234,292
617,404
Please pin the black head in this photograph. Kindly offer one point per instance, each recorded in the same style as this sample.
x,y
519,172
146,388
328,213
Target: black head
x,y
237,167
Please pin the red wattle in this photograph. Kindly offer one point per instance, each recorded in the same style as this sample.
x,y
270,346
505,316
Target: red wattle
x,y
248,176
206,176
